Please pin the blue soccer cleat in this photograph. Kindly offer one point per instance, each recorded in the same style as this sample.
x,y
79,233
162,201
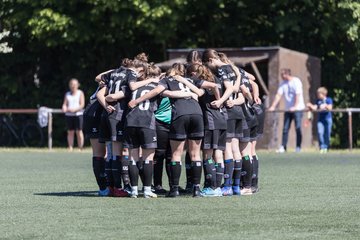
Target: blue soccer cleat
x,y
208,192
227,191
236,190
104,193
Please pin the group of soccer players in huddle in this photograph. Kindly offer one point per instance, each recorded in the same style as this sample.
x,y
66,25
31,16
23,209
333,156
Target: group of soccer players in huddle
x,y
207,107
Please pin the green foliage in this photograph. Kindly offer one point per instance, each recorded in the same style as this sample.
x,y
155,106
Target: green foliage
x,y
50,27
57,40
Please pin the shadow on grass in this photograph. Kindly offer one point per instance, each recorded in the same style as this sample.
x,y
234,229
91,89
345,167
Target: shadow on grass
x,y
70,194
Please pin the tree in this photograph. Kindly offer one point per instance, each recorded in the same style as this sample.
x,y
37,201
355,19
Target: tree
x,y
52,41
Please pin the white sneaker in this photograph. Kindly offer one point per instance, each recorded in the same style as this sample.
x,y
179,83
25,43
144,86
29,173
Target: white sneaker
x,y
148,193
297,149
324,150
246,191
281,150
218,192
134,192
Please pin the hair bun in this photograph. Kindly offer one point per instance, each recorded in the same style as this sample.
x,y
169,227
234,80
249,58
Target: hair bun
x,y
142,57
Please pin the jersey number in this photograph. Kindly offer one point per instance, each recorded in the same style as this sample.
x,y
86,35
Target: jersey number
x,y
117,86
144,105
184,88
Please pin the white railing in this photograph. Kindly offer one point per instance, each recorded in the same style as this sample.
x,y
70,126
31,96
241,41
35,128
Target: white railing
x,y
349,112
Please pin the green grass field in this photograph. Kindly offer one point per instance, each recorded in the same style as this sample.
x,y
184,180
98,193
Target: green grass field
x,y
52,195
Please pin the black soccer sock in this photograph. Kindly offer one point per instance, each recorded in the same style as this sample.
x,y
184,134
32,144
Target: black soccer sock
x,y
219,174
158,166
248,171
255,176
196,171
108,172
125,170
228,172
98,164
133,173
175,169
209,173
237,172
147,172
188,169
140,167
116,171
168,172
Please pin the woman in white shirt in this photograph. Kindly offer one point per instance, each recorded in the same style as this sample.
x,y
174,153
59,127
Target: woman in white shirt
x,y
73,107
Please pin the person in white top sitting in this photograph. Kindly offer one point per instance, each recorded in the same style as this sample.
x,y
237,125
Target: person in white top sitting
x,y
73,107
291,89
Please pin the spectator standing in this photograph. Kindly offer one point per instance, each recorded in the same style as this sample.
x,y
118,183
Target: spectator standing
x,y
324,122
73,107
291,89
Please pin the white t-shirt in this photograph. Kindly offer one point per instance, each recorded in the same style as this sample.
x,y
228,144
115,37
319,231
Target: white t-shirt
x,y
289,89
73,101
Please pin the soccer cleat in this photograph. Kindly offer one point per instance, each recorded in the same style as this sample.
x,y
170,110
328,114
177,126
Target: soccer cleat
x,y
227,191
188,189
218,192
208,192
104,193
111,189
134,195
134,192
174,192
159,190
127,188
297,149
254,189
196,191
281,150
149,194
246,191
119,192
236,190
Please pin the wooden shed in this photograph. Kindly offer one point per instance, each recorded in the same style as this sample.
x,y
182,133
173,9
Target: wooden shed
x,y
265,64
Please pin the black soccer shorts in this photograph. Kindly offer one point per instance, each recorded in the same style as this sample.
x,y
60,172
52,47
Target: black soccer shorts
x,y
214,139
136,137
162,133
92,119
235,128
117,126
261,121
187,127
104,128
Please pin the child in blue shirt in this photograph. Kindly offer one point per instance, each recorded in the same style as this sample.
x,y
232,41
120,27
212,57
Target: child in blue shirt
x,y
324,123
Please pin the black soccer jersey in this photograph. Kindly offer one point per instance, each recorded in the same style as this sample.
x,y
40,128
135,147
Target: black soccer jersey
x,y
117,80
143,115
213,118
93,96
180,106
245,81
227,74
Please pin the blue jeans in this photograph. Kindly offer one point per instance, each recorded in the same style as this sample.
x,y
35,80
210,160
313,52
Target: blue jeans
x,y
288,117
324,132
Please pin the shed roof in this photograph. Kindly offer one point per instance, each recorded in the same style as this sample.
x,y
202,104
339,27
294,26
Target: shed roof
x,y
240,61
